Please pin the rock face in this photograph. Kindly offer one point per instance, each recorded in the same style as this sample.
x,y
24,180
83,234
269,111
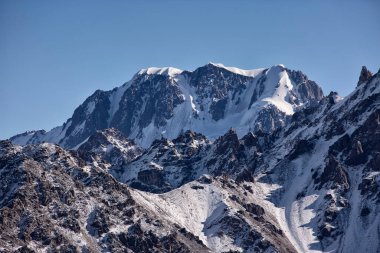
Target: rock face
x,y
112,146
166,102
309,186
307,90
87,118
335,173
365,75
150,99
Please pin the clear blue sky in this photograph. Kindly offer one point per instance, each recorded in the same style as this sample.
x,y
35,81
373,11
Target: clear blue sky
x,y
53,54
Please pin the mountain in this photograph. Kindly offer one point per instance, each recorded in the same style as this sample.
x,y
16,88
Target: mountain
x,y
331,150
165,102
310,184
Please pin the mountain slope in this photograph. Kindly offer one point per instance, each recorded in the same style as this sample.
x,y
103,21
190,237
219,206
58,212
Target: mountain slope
x,y
330,151
52,200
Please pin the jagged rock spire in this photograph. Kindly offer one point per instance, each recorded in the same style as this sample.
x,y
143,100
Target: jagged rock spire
x,y
365,74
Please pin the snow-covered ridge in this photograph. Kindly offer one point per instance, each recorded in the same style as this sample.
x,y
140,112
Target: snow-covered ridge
x,y
243,72
169,71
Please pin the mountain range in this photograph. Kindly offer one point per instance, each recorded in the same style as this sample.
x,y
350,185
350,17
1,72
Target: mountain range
x,y
214,160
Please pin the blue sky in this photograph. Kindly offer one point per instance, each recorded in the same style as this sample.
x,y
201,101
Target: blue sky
x,y
53,54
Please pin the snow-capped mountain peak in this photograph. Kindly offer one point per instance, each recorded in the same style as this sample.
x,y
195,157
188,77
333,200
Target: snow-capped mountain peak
x,y
164,102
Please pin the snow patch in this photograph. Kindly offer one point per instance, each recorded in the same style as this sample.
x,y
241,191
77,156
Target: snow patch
x,y
284,85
